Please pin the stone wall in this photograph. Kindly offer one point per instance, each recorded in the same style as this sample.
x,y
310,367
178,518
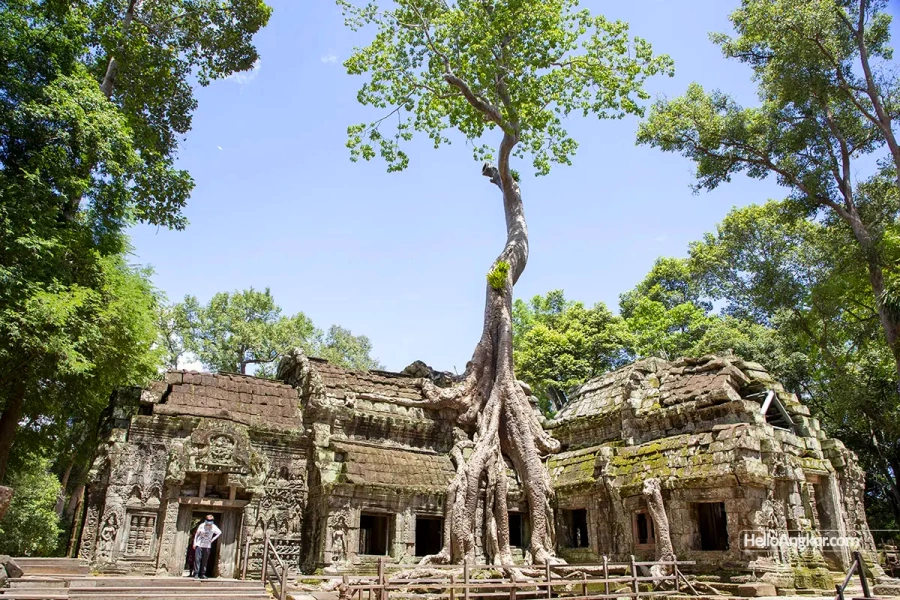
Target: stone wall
x,y
342,467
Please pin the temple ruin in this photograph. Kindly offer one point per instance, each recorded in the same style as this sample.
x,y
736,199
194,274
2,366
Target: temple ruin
x,y
696,458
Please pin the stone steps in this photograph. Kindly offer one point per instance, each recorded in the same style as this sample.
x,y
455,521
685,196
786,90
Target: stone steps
x,y
132,588
53,566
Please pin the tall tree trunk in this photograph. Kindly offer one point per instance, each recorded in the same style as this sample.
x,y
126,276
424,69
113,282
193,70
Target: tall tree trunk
x,y
9,423
106,86
497,416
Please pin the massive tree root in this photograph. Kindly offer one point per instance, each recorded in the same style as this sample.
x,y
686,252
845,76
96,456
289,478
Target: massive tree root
x,y
496,421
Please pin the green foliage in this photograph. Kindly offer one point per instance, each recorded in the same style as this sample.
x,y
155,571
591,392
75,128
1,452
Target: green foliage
x,y
478,65
244,328
499,275
31,526
664,313
803,295
247,329
341,347
559,344
821,266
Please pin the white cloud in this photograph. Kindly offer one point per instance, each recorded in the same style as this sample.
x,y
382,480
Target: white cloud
x,y
245,77
219,147
328,58
190,362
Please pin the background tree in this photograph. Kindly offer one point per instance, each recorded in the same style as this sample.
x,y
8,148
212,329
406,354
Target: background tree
x,y
665,313
514,70
79,161
829,99
246,329
804,284
559,344
343,348
31,527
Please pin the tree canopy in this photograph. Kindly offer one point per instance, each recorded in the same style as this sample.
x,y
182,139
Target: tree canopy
x,y
559,344
246,332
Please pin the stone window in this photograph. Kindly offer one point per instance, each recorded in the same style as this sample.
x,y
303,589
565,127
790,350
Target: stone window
x,y
141,534
712,525
374,533
644,532
429,535
575,528
516,530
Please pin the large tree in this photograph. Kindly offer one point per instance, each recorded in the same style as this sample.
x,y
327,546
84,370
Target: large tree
x,y
559,344
805,286
94,97
829,100
246,329
513,71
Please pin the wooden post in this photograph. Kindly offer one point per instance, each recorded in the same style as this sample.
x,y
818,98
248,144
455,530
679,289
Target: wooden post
x,y
839,592
862,574
466,580
284,578
246,558
605,574
512,587
265,563
675,570
584,584
634,580
452,586
549,577
382,594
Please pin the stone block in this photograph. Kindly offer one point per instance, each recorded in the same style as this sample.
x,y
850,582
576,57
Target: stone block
x,y
887,589
13,571
174,377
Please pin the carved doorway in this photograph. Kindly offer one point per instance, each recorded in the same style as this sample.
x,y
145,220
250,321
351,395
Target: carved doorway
x,y
222,560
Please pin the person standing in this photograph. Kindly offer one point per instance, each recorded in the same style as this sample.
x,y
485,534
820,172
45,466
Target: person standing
x,y
207,533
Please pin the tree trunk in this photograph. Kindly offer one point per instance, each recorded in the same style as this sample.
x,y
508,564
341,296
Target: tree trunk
x,y
9,423
664,548
890,324
64,483
496,419
106,86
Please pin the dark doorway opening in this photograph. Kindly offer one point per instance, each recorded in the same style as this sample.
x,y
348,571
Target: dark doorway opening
x,y
429,535
713,525
576,529
212,564
516,530
373,534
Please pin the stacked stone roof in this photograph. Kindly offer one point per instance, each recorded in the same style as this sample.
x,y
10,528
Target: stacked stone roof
x,y
691,422
261,403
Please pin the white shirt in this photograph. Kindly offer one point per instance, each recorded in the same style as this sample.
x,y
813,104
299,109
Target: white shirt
x,y
206,534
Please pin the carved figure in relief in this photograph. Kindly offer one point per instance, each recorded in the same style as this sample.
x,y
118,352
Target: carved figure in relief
x,y
108,536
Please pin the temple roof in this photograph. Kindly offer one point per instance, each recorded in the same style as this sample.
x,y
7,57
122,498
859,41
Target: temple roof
x,y
390,467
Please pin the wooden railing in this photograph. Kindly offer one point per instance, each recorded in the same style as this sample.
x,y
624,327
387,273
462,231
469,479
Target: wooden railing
x,y
591,581
857,565
278,567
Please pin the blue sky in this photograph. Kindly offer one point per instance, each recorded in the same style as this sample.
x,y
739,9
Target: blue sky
x,y
402,257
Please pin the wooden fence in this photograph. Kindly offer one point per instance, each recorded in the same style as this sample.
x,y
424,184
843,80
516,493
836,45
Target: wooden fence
x,y
467,582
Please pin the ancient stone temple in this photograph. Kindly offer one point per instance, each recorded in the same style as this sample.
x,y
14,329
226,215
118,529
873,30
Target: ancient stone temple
x,y
696,458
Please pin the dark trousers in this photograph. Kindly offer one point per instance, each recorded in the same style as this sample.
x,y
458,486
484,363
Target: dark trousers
x,y
201,557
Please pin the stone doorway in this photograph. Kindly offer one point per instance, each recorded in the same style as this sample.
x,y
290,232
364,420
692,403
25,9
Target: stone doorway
x,y
197,519
222,560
